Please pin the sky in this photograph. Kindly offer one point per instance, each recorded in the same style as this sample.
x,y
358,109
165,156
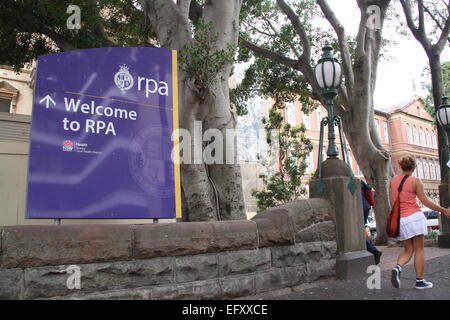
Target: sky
x,y
407,60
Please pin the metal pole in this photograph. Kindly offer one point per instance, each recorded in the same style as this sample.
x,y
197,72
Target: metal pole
x,y
320,184
323,123
332,151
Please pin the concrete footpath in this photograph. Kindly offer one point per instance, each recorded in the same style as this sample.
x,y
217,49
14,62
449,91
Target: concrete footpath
x,y
437,271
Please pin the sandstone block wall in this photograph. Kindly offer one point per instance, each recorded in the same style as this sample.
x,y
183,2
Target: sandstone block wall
x,y
279,248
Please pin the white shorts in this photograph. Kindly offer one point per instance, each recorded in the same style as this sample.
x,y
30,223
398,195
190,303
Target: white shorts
x,y
413,225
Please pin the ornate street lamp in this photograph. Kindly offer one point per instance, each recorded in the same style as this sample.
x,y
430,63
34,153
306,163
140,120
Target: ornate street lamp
x,y
328,76
327,73
443,117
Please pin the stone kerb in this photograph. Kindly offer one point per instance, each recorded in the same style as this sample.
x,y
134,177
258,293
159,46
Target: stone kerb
x,y
34,246
296,222
189,238
279,248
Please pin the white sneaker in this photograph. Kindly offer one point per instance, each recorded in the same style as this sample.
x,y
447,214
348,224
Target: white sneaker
x,y
422,285
395,277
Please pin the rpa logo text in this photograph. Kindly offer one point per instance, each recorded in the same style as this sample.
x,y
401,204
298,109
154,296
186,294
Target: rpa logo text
x,y
124,81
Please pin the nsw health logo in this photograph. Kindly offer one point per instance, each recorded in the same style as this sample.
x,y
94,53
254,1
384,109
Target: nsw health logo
x,y
67,146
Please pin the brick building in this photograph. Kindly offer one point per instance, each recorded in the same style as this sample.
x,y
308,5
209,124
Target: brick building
x,y
405,128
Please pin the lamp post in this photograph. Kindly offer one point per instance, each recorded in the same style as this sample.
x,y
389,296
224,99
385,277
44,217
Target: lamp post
x,y
443,118
353,259
327,73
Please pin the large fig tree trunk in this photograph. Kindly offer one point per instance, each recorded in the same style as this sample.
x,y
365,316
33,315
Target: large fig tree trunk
x,y
358,116
209,191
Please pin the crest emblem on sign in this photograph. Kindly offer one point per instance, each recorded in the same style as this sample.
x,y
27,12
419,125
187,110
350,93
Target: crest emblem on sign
x,y
123,79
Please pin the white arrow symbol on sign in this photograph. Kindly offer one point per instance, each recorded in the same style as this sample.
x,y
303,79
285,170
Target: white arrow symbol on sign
x,y
48,99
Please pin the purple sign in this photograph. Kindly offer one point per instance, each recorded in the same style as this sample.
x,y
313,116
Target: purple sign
x,y
101,135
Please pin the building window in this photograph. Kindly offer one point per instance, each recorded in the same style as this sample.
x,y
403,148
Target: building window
x,y
433,140
426,170
386,134
432,171
310,162
416,136
306,121
422,137
5,104
429,144
377,127
8,97
409,134
419,170
290,113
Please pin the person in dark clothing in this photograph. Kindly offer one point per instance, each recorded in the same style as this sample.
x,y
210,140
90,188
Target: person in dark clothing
x,y
366,205
366,209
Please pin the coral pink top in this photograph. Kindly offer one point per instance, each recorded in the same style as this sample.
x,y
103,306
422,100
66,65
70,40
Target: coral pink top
x,y
408,198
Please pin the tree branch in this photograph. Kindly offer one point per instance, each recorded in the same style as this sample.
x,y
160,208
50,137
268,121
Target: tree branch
x,y
418,33
438,23
172,29
360,51
437,11
195,11
261,32
444,35
421,16
291,63
60,41
184,6
304,62
306,55
99,30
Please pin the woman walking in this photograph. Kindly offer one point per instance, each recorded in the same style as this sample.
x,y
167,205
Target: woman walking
x,y
413,224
